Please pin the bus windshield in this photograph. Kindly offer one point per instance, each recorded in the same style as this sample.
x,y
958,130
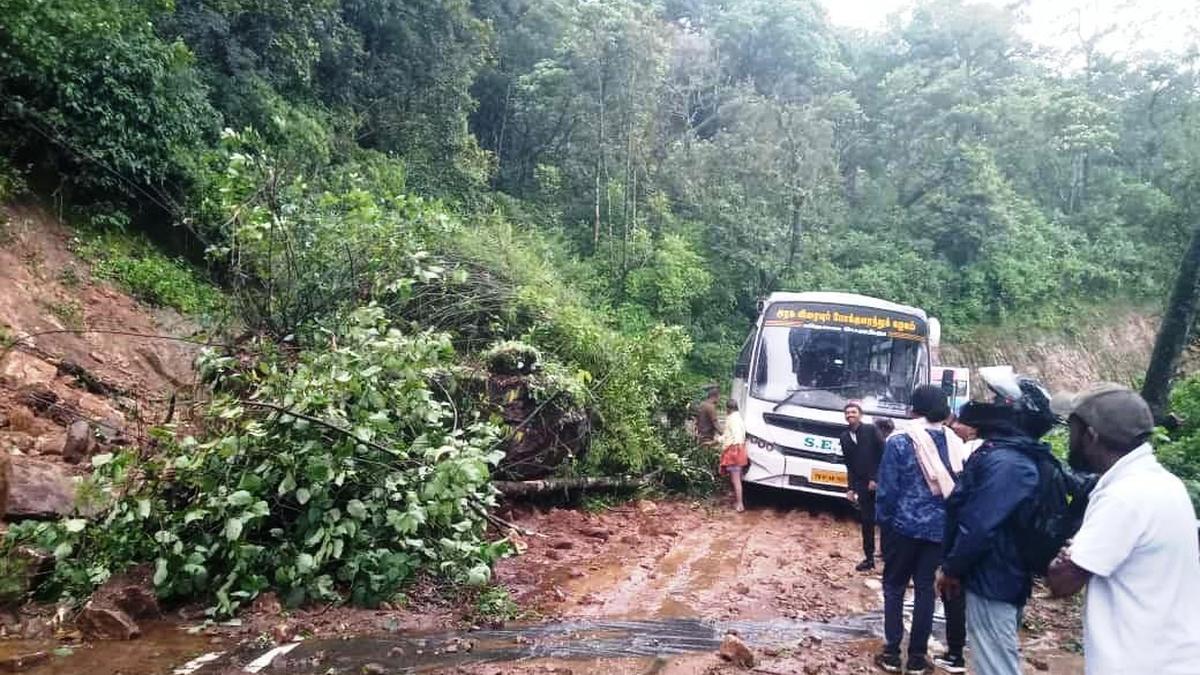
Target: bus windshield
x,y
824,358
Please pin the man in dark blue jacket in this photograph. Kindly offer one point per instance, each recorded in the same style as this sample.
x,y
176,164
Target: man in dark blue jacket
x,y
980,547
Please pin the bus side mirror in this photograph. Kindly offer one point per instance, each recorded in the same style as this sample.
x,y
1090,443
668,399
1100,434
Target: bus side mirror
x,y
741,371
948,383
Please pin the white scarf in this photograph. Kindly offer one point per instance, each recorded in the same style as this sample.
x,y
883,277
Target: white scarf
x,y
939,480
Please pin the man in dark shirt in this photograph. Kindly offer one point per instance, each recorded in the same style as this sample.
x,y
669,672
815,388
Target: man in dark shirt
x,y
706,417
862,448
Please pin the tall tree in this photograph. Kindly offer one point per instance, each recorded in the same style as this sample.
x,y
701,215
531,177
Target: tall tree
x,y
1175,329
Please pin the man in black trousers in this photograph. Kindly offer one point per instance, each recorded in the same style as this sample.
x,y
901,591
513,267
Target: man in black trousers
x,y
862,448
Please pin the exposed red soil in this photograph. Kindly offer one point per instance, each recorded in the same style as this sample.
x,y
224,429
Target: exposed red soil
x,y
45,288
674,560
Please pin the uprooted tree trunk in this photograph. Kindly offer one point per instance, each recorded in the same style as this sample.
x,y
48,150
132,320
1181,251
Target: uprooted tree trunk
x,y
521,488
1173,333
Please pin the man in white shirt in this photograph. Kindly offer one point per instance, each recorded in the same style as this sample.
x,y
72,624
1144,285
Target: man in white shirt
x,y
1137,550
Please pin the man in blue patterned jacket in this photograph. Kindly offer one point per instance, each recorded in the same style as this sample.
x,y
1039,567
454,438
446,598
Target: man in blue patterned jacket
x,y
915,476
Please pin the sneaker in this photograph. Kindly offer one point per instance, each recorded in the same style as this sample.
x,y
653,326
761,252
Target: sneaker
x,y
951,663
917,665
889,663
865,566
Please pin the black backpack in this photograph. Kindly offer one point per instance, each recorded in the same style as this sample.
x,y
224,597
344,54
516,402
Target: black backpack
x,y
1044,523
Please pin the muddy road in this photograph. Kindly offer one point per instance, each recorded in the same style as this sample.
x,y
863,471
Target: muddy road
x,y
645,587
659,560
782,570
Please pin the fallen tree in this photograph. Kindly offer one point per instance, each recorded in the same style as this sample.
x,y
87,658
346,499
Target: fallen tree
x,y
332,474
523,488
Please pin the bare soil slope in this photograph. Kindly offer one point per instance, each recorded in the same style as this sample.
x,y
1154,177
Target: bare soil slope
x,y
1116,349
80,356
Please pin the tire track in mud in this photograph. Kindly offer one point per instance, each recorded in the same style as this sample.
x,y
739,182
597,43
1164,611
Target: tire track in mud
x,y
762,564
674,585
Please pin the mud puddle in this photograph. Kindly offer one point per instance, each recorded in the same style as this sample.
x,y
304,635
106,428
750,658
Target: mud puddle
x,y
159,649
563,641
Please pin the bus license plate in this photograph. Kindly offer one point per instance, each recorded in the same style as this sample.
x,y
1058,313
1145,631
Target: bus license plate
x,y
823,477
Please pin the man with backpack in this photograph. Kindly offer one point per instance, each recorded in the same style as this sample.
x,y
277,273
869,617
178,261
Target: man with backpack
x,y
988,517
1136,550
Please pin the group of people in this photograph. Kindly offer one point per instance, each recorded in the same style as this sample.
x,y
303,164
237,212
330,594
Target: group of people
x,y
954,497
731,441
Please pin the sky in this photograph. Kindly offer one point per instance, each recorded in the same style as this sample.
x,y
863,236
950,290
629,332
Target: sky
x,y
1142,25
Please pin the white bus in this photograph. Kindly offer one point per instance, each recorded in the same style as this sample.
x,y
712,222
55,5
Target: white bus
x,y
808,356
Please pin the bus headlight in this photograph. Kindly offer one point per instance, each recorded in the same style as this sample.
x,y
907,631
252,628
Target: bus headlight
x,y
761,443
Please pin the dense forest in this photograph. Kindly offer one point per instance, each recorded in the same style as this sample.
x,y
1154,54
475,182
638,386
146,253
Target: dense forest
x,y
385,189
691,156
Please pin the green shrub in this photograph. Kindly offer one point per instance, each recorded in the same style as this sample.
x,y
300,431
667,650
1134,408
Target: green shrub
x,y
1179,451
70,312
273,500
69,276
14,579
512,358
134,264
689,467
92,91
354,237
12,182
494,604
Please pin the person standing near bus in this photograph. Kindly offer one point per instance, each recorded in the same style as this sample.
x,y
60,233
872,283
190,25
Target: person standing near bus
x,y
916,474
954,605
707,427
862,448
985,582
733,454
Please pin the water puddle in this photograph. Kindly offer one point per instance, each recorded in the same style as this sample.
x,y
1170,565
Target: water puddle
x,y
572,640
158,650
167,649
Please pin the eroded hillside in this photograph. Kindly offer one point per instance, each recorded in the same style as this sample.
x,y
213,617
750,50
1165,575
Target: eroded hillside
x,y
1116,349
85,367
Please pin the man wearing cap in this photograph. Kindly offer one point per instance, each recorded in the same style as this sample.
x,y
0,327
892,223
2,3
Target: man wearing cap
x,y
981,555
1136,550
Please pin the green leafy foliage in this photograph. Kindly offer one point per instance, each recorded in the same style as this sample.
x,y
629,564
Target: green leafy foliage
x,y
14,580
12,182
70,312
494,604
512,358
692,156
423,265
271,499
912,165
689,467
133,263
300,251
92,90
1179,451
